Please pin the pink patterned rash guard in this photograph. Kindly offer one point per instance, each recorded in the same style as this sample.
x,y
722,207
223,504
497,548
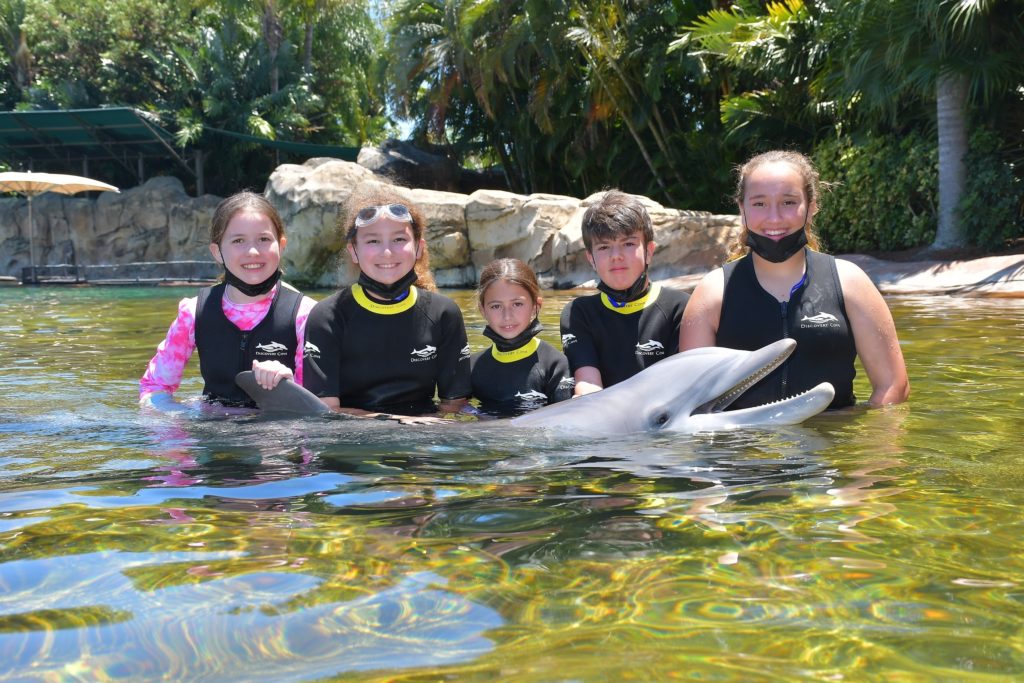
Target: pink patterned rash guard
x,y
166,368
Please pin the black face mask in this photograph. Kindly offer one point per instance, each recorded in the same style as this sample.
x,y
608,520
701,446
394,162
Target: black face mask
x,y
392,293
776,251
251,290
531,331
624,296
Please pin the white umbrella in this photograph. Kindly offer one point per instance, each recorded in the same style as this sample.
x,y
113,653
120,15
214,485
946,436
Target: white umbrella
x,y
32,184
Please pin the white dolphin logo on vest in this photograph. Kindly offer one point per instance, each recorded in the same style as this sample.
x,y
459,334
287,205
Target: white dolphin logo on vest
x,y
531,395
311,349
465,353
650,346
426,353
568,339
272,348
820,319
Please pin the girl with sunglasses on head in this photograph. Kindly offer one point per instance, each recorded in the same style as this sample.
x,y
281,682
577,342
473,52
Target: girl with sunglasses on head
x,y
783,287
519,372
383,346
249,321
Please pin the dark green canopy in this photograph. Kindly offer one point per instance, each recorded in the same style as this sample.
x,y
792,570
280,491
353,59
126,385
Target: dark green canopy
x,y
73,136
68,138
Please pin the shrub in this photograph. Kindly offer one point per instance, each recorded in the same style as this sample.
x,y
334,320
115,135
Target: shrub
x,y
990,210
884,192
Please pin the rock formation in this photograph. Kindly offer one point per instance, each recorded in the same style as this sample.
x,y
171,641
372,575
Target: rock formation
x,y
159,222
156,221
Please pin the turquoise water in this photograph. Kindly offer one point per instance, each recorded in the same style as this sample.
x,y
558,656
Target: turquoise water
x,y
862,545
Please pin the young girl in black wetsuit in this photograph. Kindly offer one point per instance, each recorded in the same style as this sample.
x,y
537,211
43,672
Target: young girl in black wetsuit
x,y
382,346
519,372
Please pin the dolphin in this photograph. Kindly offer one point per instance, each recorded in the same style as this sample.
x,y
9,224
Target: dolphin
x,y
686,392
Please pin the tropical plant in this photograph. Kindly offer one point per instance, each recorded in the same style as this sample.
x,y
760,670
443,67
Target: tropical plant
x,y
232,65
232,90
567,96
955,54
89,53
763,62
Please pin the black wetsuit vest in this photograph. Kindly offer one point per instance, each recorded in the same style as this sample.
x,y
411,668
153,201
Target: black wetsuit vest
x,y
387,357
225,350
512,383
815,316
621,344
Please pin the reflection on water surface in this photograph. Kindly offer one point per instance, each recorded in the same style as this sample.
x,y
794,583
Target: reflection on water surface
x,y
861,545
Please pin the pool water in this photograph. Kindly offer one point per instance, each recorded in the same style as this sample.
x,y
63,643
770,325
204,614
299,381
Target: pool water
x,y
861,545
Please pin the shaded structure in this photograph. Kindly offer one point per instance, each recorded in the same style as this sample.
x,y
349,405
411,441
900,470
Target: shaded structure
x,y
74,138
34,184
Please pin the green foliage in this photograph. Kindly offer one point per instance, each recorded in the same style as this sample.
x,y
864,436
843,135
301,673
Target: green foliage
x,y
569,97
888,55
990,212
659,97
884,192
297,70
763,61
89,53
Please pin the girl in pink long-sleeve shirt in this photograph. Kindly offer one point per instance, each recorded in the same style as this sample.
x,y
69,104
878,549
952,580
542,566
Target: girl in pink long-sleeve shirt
x,y
251,320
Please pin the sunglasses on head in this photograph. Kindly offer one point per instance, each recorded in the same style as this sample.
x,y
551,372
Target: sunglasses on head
x,y
372,214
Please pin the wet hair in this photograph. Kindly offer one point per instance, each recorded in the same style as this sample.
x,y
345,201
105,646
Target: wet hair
x,y
381,195
511,270
237,203
617,214
811,186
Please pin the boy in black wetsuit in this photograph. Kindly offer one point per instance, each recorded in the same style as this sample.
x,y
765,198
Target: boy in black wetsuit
x,y
631,324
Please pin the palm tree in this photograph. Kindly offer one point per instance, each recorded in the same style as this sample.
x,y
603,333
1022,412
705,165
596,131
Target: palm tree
x,y
955,53
603,36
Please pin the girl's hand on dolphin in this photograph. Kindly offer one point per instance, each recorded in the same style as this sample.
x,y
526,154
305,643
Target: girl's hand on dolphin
x,y
268,373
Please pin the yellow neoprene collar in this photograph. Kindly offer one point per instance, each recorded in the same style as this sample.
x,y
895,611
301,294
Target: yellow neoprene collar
x,y
372,306
512,356
633,306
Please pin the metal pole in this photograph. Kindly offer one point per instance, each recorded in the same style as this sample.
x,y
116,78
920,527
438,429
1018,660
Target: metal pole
x,y
74,252
31,240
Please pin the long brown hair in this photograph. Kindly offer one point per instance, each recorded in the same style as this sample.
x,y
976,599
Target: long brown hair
x,y
381,195
513,270
811,186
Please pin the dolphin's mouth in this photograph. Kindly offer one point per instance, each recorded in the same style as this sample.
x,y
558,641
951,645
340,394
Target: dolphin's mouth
x,y
724,400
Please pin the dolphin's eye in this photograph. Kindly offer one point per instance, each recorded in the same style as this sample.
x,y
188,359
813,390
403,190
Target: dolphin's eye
x,y
661,420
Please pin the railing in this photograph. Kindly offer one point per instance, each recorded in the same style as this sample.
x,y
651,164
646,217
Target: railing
x,y
137,273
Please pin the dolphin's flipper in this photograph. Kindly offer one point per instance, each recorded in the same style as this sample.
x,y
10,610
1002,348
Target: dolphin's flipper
x,y
287,397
